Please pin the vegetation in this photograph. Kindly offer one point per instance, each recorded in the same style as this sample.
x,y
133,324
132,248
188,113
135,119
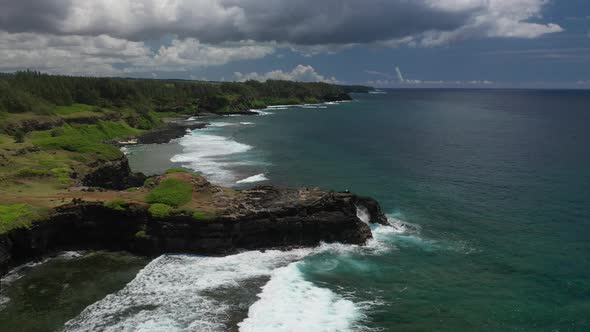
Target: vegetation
x,y
141,234
202,215
116,204
177,170
15,216
160,210
170,191
86,139
41,94
56,130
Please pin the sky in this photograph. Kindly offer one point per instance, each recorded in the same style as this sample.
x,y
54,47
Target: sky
x,y
382,43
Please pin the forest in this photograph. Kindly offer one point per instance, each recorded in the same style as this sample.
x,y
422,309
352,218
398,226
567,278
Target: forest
x,y
38,93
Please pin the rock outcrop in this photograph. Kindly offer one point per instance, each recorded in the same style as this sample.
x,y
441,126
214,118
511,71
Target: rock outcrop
x,y
260,218
114,174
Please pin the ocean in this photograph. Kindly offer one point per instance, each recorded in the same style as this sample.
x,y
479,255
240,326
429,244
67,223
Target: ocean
x,y
488,192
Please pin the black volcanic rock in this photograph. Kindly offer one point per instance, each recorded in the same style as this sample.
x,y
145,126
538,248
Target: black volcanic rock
x,y
260,218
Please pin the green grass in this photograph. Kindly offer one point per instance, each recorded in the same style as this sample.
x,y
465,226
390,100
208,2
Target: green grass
x,y
62,174
6,139
177,170
15,216
86,139
74,108
160,210
31,173
116,204
172,192
202,215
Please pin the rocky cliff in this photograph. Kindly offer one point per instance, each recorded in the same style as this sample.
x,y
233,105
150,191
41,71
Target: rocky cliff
x,y
260,218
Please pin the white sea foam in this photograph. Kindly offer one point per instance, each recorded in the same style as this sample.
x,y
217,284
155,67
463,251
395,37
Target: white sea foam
x,y
363,214
247,123
288,302
210,155
261,112
221,124
280,107
256,178
172,293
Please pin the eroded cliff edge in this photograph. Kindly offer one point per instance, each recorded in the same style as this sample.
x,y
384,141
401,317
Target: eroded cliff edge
x,y
216,221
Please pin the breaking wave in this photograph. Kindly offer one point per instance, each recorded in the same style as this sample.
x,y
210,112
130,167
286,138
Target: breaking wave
x,y
210,155
256,178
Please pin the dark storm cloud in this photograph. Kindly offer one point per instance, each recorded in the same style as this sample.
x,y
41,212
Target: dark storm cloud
x,y
32,15
340,22
303,22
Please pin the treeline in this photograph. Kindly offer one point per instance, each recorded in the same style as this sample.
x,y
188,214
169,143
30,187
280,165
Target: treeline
x,y
30,91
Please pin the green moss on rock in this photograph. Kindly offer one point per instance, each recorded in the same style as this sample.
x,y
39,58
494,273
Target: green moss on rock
x,y
160,210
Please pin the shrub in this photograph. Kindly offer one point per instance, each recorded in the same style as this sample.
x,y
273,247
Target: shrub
x,y
19,136
141,235
116,204
160,210
30,173
85,138
172,192
149,181
62,174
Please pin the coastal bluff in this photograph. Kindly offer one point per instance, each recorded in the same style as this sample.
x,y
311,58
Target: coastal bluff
x,y
216,221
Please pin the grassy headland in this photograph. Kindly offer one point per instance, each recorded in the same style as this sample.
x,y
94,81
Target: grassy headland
x,y
54,132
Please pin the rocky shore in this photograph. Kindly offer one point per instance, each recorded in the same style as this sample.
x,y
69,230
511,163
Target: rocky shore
x,y
260,218
214,220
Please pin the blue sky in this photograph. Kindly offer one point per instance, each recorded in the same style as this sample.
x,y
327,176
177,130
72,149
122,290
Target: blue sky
x,y
384,43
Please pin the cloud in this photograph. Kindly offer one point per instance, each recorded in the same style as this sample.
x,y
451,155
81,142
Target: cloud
x,y
302,22
104,55
108,37
301,73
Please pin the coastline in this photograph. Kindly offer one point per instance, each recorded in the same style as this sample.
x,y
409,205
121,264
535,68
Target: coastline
x,y
289,219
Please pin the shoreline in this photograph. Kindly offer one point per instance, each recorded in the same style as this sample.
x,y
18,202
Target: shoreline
x,y
284,219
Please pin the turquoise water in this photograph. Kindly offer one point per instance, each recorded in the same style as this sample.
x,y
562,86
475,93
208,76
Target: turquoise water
x,y
497,184
488,192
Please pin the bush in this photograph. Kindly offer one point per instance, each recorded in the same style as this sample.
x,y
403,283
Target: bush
x,y
149,181
172,192
116,204
62,174
85,138
31,173
141,235
19,136
160,210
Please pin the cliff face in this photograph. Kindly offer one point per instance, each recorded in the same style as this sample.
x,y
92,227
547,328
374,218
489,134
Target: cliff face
x,y
114,174
263,217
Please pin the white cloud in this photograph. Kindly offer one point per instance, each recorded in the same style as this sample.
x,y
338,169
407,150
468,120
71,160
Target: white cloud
x,y
106,37
104,55
302,22
301,73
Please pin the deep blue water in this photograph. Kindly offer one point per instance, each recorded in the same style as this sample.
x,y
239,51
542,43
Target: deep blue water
x,y
496,182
